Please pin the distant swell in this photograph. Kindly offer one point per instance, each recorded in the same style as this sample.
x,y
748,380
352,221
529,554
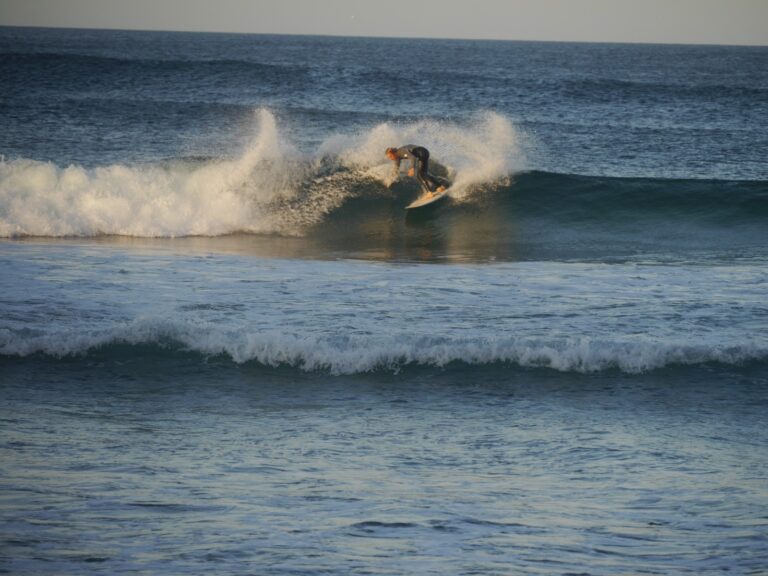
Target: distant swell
x,y
359,354
110,71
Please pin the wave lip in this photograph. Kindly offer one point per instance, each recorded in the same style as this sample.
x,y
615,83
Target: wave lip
x,y
353,354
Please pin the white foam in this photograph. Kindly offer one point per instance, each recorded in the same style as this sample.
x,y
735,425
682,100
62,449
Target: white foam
x,y
219,197
483,150
357,354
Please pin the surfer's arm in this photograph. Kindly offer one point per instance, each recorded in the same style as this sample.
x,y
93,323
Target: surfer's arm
x,y
397,168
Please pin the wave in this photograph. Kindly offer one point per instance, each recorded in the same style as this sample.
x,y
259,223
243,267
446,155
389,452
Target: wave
x,y
98,69
360,354
270,188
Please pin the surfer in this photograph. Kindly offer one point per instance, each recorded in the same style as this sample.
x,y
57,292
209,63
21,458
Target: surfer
x,y
419,157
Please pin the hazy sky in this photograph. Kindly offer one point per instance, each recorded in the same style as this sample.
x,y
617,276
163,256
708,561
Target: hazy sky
x,y
683,21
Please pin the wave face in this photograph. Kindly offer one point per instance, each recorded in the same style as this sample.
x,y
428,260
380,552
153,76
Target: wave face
x,y
592,200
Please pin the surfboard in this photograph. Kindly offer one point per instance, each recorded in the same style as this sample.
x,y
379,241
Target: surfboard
x,y
426,200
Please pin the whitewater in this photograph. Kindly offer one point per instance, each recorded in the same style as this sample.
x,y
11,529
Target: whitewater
x,y
269,188
384,316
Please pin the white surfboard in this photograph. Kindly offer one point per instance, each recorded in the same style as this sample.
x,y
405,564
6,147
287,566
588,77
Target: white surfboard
x,y
426,200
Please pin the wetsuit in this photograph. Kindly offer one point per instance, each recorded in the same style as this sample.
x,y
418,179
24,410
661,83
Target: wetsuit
x,y
419,157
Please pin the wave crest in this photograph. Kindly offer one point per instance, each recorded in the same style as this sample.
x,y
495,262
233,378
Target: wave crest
x,y
352,354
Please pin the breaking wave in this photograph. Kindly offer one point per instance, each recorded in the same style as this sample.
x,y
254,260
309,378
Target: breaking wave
x,y
344,192
352,354
271,188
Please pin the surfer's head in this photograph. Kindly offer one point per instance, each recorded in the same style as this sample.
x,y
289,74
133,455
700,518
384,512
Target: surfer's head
x,y
391,153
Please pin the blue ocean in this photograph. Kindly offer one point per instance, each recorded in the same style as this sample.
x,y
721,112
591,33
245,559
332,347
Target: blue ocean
x,y
227,348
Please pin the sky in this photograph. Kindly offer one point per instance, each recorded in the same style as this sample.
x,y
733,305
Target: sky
x,y
659,21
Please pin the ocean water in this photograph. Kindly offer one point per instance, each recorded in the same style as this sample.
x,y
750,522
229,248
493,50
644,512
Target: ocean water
x,y
225,347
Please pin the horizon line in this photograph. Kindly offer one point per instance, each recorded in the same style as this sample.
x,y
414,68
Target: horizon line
x,y
384,37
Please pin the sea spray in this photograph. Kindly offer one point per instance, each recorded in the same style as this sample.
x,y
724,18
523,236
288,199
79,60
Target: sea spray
x,y
177,198
482,150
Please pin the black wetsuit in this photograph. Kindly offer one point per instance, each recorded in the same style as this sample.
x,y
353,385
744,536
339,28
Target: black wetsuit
x,y
419,157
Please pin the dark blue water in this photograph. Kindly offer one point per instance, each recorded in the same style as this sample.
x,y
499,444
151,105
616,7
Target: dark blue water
x,y
96,97
226,347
